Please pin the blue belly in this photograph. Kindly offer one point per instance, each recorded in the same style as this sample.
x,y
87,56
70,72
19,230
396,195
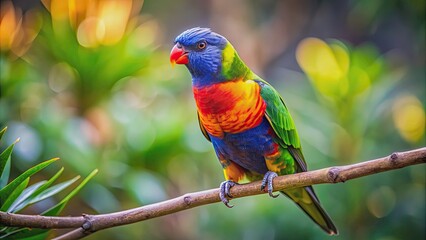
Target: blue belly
x,y
247,148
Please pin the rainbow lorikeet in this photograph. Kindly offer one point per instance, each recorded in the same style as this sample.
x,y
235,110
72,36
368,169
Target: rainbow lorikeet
x,y
245,119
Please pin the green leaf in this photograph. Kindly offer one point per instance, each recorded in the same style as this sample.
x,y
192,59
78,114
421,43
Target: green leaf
x,y
48,183
8,232
37,192
26,233
8,189
55,210
4,178
35,195
2,132
55,189
26,193
14,194
5,155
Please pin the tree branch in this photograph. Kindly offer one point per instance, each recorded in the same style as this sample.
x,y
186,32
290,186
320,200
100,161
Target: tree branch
x,y
88,224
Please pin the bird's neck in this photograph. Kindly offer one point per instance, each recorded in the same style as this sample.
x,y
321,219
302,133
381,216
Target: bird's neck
x,y
232,65
231,68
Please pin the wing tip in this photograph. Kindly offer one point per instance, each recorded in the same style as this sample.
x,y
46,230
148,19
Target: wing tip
x,y
331,230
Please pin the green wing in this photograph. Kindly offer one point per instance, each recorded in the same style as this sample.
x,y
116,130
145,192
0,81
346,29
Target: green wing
x,y
283,125
281,121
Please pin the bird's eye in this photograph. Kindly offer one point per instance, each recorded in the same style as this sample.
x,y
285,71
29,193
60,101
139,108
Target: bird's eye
x,y
201,45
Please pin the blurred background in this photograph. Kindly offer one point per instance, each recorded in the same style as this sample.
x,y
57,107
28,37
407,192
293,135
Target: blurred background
x,y
90,82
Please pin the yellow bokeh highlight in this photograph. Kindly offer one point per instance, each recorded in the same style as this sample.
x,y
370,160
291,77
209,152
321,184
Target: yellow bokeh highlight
x,y
360,80
409,118
114,15
381,201
58,10
341,57
90,31
79,10
326,65
9,23
144,36
97,22
17,30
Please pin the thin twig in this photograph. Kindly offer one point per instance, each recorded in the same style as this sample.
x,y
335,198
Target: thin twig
x,y
88,224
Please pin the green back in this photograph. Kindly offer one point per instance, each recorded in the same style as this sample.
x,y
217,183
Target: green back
x,y
281,121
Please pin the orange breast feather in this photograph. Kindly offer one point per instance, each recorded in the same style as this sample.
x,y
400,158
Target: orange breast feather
x,y
232,107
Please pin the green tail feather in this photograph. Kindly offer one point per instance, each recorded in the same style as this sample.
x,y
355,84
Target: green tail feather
x,y
307,200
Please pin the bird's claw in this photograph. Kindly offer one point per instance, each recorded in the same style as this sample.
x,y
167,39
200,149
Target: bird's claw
x,y
225,192
267,181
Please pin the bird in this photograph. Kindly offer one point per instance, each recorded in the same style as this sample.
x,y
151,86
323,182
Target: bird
x,y
246,120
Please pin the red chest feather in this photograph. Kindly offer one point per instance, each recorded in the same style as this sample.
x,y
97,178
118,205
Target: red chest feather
x,y
233,106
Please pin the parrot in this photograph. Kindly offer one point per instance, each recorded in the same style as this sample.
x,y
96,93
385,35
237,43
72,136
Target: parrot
x,y
245,119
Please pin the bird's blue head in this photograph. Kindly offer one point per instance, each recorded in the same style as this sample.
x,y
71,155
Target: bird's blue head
x,y
200,50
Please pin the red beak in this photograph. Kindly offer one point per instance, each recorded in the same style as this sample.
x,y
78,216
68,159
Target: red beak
x,y
178,55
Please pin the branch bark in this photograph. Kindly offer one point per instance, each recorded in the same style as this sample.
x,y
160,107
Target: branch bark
x,y
88,224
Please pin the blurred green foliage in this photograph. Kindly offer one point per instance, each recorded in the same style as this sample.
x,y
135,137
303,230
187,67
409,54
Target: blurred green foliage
x,y
90,82
17,195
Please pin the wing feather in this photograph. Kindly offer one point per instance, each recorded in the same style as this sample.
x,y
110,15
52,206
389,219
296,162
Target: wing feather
x,y
281,121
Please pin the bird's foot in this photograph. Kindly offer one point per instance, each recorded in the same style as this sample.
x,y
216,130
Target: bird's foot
x,y
267,181
225,193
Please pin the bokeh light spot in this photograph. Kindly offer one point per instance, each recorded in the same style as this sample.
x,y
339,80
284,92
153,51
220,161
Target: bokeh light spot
x,y
90,31
409,118
30,146
381,201
114,15
326,65
8,25
61,77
